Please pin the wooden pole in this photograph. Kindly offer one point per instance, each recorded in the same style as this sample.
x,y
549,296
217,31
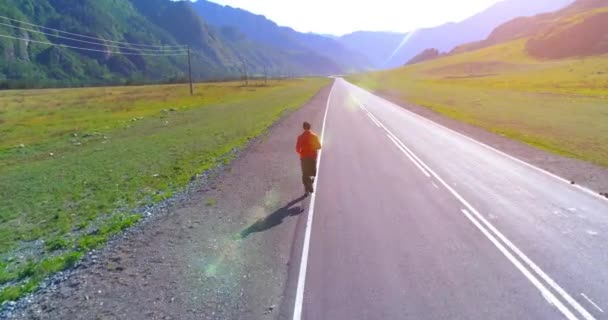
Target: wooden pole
x,y
190,72
265,75
246,73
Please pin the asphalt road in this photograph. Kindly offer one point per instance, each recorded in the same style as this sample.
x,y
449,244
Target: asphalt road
x,y
414,221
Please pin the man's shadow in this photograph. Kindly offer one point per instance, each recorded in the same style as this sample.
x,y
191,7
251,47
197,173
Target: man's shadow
x,y
274,219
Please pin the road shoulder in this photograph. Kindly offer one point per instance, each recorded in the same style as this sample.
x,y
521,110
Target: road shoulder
x,y
224,253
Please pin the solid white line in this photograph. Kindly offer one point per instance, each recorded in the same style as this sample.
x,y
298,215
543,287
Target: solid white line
x,y
409,156
374,120
592,303
509,244
406,150
584,189
373,117
546,293
361,105
297,311
377,123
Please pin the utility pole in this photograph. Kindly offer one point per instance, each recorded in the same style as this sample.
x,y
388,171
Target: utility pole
x,y
245,71
190,71
265,75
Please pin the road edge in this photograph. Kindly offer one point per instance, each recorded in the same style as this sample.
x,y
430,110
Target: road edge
x,y
583,175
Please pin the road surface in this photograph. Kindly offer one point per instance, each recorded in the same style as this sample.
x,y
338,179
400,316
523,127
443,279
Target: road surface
x,y
414,221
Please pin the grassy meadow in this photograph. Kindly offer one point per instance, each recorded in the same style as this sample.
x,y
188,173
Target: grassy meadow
x,y
75,162
559,106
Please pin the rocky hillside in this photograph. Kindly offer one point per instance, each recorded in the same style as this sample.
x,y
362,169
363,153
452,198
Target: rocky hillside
x,y
584,34
478,27
428,54
580,29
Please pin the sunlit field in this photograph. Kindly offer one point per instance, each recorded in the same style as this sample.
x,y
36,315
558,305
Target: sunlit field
x,y
75,162
556,105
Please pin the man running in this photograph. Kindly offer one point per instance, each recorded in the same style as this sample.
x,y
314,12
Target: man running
x,y
307,146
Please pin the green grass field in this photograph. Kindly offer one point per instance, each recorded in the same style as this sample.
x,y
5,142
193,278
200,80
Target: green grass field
x,y
75,162
557,105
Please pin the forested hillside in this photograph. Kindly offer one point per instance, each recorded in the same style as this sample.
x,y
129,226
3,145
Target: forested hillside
x,y
93,42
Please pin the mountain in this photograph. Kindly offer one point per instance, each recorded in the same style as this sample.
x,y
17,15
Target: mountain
x,y
28,61
428,54
577,30
579,35
478,27
377,47
318,48
118,42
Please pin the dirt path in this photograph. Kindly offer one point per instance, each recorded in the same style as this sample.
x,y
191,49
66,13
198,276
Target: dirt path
x,y
222,254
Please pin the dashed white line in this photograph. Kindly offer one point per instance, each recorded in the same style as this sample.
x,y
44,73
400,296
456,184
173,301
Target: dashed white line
x,y
586,315
373,120
409,156
297,311
497,234
373,117
546,293
581,188
434,185
592,303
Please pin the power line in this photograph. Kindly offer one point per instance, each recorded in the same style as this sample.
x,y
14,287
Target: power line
x,y
95,50
93,38
96,43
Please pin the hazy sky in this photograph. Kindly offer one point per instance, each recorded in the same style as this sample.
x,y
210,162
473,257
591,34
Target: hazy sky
x,y
342,16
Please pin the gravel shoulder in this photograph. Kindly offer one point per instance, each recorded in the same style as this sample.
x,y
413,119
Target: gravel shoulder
x,y
221,252
580,172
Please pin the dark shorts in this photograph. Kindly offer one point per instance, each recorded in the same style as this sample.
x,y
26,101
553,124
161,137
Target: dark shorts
x,y
309,170
309,167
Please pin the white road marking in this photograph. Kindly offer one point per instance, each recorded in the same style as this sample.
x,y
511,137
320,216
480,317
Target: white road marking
x,y
509,244
373,117
592,303
550,297
297,311
408,155
373,120
434,185
584,189
377,123
586,315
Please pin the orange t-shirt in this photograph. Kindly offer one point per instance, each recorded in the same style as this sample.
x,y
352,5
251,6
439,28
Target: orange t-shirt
x,y
308,145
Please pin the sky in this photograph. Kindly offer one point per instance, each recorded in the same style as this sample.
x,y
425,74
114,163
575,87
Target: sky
x,y
339,17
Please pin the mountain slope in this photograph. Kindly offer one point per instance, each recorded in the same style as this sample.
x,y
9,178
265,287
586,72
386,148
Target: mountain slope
x,y
577,30
426,55
218,53
587,37
29,61
478,27
262,30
